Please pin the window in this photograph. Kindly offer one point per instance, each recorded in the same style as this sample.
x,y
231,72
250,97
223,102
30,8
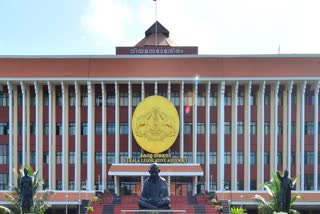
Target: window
x,y
187,129
72,157
240,127
200,157
253,185
136,98
32,157
267,128
84,98
98,99
4,128
33,99
253,128
201,128
58,99
124,128
309,127
293,158
98,157
59,129
266,99
111,128
253,158
32,128
188,156
98,128
19,157
308,157
253,99
84,128
20,100
227,157
227,127
201,99
280,98
213,128
175,98
110,157
59,157
72,128
280,128
83,185
279,158
111,101
240,98
293,128
83,157
227,99
19,128
240,157
213,158
188,99
213,99
123,99
46,128
240,185
72,99
45,98
308,182
4,99
4,153
59,184
4,181
71,185
46,157
266,158
122,156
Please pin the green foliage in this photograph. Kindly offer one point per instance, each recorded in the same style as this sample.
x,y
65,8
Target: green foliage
x,y
4,210
40,200
238,210
274,204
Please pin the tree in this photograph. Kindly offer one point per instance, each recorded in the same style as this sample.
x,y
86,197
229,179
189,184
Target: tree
x,y
274,204
40,200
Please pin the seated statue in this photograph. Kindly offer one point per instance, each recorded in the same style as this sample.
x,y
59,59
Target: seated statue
x,y
155,193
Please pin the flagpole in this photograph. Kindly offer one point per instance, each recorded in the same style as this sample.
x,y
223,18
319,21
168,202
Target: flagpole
x,y
155,12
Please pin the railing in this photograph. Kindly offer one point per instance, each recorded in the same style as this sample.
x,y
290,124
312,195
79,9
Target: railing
x,y
153,211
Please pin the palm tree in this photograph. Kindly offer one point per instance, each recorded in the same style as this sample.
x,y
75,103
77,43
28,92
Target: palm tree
x,y
40,204
274,204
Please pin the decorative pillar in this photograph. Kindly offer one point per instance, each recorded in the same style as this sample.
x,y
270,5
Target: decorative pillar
x,y
169,90
129,120
11,140
234,140
65,136
287,106
247,136
260,137
274,127
155,88
220,149
181,120
104,136
117,149
24,134
195,122
316,134
208,181
169,185
90,137
77,142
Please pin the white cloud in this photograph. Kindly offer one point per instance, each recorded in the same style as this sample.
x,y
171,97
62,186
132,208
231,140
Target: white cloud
x,y
217,27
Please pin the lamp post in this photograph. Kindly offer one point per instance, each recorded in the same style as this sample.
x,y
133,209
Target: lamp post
x,y
67,203
241,198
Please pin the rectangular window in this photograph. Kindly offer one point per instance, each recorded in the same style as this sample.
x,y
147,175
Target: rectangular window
x,y
240,98
227,127
188,156
122,156
266,99
72,129
32,99
98,128
187,128
280,128
227,157
201,99
123,99
19,128
253,185
58,99
59,184
240,185
58,128
240,127
4,181
98,99
4,154
227,99
46,128
280,98
32,157
72,99
213,158
213,99
45,157
253,99
279,158
98,157
200,157
45,98
111,128
266,158
253,158
111,101
4,98
83,185
309,157
59,157
188,99
253,128
84,128
175,98
83,157
84,98
110,157
4,128
32,128
71,185
267,128
293,158
213,128
309,128
240,157
201,128
136,98
19,157
293,128
72,157
124,128
308,182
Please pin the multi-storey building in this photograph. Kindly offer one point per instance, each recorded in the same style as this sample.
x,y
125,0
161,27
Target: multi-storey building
x,y
242,117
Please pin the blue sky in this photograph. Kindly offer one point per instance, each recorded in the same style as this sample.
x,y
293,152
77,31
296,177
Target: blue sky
x,y
73,27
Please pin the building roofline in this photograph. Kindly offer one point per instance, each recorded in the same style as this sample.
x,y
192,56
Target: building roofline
x,y
165,56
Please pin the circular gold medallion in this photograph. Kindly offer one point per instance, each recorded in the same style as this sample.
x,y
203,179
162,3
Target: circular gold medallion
x,y
155,124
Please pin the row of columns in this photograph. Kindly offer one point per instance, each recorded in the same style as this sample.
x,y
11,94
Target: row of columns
x,y
12,91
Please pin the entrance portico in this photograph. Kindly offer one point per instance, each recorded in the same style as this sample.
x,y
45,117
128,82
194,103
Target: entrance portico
x,y
167,170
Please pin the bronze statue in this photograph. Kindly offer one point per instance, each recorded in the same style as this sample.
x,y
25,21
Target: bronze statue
x,y
285,190
155,193
26,191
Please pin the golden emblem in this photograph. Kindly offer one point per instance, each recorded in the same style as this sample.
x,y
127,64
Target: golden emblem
x,y
155,124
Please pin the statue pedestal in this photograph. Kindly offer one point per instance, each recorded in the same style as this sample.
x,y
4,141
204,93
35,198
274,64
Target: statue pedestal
x,y
137,211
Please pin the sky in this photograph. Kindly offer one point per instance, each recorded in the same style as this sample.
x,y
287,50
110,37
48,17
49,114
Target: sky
x,y
96,27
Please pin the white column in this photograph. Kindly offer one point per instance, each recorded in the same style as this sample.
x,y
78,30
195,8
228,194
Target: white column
x,y
316,134
234,140
169,185
11,140
274,127
77,141
181,120
195,183
208,184
260,139
155,88
24,134
65,136
117,149
247,136
195,122
38,153
169,90
104,136
51,173
90,152
289,122
129,120
302,125
220,149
